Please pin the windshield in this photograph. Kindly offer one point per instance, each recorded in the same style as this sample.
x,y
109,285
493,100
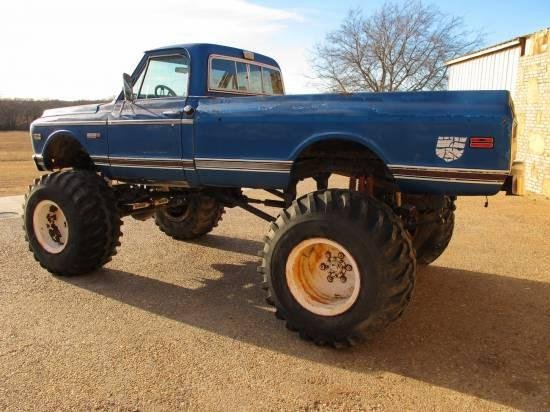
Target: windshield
x,y
165,76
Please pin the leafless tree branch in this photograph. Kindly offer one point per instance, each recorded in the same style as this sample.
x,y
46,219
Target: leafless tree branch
x,y
395,48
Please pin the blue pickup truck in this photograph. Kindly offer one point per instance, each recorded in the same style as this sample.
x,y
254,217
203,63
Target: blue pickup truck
x,y
197,123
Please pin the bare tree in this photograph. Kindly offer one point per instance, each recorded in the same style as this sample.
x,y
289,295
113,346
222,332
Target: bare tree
x,y
17,114
398,47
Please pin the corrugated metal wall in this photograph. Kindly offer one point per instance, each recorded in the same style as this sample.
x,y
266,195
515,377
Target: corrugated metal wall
x,y
495,71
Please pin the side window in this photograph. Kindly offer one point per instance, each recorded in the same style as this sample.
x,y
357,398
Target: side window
x,y
272,82
255,79
223,75
166,76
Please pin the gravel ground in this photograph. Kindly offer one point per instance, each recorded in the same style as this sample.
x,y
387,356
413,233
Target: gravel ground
x,y
170,325
17,169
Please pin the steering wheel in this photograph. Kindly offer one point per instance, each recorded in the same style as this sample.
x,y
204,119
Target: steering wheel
x,y
164,91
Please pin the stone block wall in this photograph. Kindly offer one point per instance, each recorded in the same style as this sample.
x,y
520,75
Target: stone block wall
x,y
532,105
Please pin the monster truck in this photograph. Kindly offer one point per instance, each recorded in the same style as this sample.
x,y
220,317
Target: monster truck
x,y
196,123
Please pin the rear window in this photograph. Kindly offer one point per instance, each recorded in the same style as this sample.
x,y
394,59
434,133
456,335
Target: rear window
x,y
255,79
223,75
271,81
234,76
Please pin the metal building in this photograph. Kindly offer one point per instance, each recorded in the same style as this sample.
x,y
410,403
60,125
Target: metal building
x,y
493,68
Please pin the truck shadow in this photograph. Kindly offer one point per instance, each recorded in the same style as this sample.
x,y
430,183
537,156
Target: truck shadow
x,y
221,242
476,333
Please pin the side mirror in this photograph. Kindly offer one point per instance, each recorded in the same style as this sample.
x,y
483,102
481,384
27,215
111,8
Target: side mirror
x,y
127,87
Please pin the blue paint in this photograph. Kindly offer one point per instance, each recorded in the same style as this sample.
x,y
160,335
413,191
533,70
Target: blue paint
x,y
401,128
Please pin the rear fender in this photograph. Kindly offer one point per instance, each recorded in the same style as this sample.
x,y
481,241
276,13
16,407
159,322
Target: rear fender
x,y
344,137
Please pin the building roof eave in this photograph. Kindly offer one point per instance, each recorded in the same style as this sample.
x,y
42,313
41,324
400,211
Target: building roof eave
x,y
492,49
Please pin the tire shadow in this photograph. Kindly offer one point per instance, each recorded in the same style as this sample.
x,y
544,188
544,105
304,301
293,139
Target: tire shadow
x,y
480,334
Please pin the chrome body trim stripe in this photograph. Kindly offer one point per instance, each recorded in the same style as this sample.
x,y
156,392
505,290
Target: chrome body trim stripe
x,y
447,180
145,162
244,160
72,123
449,174
160,159
99,158
151,122
244,170
114,122
280,166
447,169
146,166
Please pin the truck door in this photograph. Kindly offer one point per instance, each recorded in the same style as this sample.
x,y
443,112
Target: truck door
x,y
145,136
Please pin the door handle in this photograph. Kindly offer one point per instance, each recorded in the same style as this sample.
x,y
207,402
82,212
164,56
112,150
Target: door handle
x,y
189,110
171,113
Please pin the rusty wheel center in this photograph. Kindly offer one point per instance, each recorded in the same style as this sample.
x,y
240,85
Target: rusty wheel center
x,y
322,276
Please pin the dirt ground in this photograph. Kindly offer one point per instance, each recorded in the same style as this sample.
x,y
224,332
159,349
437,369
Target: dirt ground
x,y
170,325
17,170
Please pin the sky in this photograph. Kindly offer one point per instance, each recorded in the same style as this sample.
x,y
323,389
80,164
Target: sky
x,y
70,49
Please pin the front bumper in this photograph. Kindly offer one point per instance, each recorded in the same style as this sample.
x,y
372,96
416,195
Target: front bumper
x,y
39,162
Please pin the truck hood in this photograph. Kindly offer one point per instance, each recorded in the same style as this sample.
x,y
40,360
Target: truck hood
x,y
64,111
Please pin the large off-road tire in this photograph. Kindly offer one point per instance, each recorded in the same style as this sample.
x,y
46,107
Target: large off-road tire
x,y
196,218
430,239
71,222
337,266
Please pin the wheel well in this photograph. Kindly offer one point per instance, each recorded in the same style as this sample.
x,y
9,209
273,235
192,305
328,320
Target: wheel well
x,y
65,151
339,156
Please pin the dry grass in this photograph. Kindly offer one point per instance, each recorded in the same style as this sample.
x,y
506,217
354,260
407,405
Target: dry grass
x,y
17,170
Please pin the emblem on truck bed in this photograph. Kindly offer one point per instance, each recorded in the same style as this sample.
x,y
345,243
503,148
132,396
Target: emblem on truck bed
x,y
450,148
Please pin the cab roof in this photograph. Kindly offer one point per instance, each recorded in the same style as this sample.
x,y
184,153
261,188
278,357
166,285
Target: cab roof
x,y
201,51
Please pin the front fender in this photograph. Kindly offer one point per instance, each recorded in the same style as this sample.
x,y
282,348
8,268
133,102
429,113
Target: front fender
x,y
59,134
53,138
45,148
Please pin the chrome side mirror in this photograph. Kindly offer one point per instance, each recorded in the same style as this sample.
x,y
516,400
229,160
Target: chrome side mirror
x,y
127,87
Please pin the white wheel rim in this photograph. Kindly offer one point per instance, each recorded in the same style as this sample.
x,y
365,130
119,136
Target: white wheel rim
x,y
50,226
323,277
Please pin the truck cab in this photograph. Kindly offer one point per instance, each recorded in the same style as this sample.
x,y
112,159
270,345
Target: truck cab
x,y
146,133
166,88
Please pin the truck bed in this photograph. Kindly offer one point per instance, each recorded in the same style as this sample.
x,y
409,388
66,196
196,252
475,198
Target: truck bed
x,y
422,137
